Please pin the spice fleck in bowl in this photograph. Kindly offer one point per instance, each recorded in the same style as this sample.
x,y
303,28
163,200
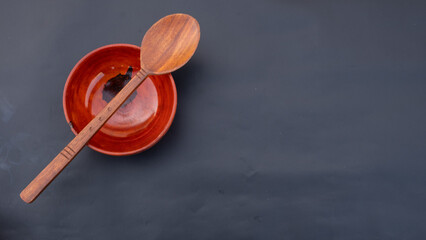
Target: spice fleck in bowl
x,y
140,122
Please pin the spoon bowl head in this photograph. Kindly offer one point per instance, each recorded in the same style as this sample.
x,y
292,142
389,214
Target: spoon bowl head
x,y
169,44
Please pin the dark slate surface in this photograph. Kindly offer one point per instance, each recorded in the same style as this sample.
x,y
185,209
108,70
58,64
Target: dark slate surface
x,y
296,120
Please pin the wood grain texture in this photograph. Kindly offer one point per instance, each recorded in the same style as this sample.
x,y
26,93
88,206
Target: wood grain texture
x,y
169,43
167,46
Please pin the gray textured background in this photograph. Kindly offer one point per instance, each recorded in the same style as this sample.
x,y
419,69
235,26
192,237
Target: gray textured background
x,y
295,120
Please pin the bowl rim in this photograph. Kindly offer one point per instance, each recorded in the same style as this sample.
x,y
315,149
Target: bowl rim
x,y
121,153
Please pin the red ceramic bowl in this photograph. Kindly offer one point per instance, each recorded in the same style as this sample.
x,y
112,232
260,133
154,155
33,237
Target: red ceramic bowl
x,y
140,122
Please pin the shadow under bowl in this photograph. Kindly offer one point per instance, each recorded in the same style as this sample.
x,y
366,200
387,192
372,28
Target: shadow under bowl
x,y
140,122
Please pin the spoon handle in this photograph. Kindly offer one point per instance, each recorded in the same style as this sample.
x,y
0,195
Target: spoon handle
x,y
45,177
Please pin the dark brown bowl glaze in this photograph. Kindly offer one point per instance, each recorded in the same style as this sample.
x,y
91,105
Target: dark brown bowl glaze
x,y
140,122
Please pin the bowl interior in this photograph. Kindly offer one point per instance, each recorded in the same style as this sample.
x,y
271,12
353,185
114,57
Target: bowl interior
x,y
140,122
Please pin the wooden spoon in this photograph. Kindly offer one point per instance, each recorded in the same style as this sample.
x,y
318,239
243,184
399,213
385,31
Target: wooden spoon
x,y
167,46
